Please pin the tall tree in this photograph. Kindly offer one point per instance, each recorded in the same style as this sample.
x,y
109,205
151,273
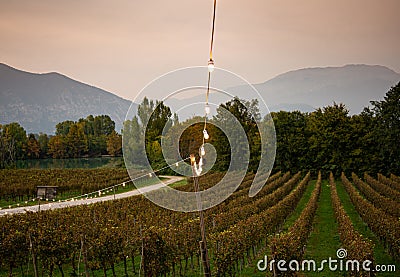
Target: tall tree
x,y
292,140
159,120
57,147
103,125
14,142
387,131
247,113
134,142
33,147
43,144
114,144
144,110
62,128
329,143
76,141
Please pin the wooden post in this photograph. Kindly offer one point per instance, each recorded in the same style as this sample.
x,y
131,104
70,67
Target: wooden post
x,y
33,256
203,243
84,256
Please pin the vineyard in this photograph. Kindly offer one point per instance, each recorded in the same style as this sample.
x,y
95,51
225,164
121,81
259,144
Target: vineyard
x,y
20,184
132,236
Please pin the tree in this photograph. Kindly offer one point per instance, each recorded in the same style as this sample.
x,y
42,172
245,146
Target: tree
x,y
62,128
13,143
57,147
76,141
292,140
247,113
329,142
3,154
387,130
363,156
134,142
144,110
114,144
103,125
43,144
33,147
154,118
158,121
88,125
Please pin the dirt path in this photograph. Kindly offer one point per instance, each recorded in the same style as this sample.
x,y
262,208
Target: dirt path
x,y
60,205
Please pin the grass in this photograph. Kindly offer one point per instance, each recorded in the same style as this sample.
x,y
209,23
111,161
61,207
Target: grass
x,y
299,209
324,239
180,183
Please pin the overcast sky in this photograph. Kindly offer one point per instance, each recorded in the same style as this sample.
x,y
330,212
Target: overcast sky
x,y
120,46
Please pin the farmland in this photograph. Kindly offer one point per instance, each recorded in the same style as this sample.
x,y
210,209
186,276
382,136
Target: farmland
x,y
133,236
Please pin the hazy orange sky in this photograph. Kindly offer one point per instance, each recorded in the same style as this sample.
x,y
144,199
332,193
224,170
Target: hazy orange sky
x,y
120,46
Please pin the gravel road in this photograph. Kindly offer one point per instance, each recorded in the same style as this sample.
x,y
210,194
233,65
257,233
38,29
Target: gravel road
x,y
60,205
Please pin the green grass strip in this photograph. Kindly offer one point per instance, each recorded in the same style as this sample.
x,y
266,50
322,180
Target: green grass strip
x,y
324,239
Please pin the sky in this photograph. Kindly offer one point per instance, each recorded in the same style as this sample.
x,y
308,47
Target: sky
x,y
122,45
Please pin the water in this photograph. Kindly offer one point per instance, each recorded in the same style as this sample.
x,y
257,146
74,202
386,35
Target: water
x,y
71,163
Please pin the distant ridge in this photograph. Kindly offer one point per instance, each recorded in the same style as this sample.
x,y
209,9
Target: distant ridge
x,y
355,85
39,101
305,90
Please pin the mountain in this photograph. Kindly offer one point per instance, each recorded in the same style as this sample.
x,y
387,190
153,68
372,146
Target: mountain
x,y
311,88
39,101
353,85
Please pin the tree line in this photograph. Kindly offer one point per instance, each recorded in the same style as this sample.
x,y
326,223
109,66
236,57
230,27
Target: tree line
x,y
87,137
328,138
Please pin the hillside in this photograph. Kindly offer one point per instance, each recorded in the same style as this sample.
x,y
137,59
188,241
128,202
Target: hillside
x,y
311,88
353,85
39,101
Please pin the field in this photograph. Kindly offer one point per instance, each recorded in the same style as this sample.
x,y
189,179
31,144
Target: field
x,y
296,216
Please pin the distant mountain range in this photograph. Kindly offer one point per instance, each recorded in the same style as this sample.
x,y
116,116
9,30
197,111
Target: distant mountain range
x,y
353,85
311,88
39,101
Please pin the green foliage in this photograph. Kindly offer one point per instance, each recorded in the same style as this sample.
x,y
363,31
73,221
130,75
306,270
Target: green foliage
x,y
156,117
247,113
43,141
331,140
292,140
328,139
62,128
134,141
84,137
102,125
32,148
114,144
13,143
386,132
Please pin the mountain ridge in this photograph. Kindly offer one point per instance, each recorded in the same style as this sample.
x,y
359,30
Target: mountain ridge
x,y
38,101
355,85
